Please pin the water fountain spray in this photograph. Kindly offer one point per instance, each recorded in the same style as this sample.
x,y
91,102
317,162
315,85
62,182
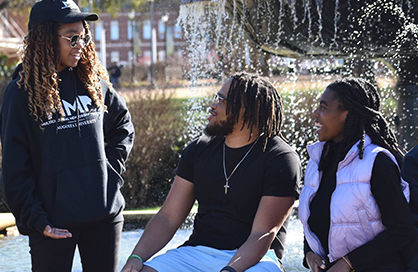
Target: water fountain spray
x,y
352,30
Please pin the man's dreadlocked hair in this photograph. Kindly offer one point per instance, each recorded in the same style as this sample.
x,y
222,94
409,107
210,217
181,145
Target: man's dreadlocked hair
x,y
362,101
260,101
39,77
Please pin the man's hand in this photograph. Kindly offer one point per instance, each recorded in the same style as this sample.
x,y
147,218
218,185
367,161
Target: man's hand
x,y
132,265
315,262
55,233
340,266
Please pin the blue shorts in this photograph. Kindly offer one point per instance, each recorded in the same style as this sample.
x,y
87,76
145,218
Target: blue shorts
x,y
206,259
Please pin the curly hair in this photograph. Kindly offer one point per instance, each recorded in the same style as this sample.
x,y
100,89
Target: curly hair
x,y
261,102
362,100
39,76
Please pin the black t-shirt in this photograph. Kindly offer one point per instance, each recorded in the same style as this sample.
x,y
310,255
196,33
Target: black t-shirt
x,y
224,220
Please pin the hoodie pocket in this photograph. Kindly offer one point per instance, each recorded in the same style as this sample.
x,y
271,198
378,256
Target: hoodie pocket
x,y
87,193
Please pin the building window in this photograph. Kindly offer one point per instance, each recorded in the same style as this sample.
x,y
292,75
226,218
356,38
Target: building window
x,y
161,30
169,42
114,30
98,32
178,32
130,25
114,56
178,54
130,58
146,29
147,57
161,55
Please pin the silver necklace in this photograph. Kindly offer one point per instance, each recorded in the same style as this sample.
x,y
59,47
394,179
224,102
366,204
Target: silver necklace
x,y
226,186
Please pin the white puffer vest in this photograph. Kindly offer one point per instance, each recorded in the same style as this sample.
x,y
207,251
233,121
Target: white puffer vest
x,y
355,216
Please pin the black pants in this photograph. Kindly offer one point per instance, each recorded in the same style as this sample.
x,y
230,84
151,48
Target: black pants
x,y
98,246
396,265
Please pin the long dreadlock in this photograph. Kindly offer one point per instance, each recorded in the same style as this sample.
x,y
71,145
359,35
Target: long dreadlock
x,y
39,76
262,104
362,101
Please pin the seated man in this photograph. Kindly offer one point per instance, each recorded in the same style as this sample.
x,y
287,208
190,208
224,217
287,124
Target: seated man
x,y
245,179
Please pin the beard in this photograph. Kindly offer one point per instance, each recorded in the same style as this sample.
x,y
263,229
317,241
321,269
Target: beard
x,y
221,128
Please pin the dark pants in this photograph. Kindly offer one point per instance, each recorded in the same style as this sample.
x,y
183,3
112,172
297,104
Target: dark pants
x,y
98,246
115,81
413,264
396,265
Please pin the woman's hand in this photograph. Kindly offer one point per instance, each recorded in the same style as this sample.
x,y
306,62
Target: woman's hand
x,y
315,262
340,266
55,233
132,265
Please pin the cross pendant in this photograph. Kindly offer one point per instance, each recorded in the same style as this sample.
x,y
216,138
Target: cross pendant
x,y
226,186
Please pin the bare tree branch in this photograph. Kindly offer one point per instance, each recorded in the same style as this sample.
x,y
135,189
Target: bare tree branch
x,y
16,4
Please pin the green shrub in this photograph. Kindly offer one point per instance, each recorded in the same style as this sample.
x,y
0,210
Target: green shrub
x,y
159,140
282,70
299,125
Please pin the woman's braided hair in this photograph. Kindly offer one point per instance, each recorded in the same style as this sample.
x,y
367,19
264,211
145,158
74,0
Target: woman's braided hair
x,y
362,101
261,104
39,77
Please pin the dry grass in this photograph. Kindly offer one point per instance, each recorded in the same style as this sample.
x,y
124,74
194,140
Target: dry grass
x,y
282,83
174,92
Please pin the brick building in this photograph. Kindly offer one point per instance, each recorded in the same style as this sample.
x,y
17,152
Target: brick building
x,y
128,36
12,30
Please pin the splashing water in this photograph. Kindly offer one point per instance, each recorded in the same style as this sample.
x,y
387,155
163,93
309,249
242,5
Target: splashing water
x,y
226,36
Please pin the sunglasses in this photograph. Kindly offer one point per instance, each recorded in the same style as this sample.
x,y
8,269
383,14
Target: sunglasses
x,y
75,39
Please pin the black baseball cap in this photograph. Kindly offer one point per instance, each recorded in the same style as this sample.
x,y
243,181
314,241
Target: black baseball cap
x,y
63,11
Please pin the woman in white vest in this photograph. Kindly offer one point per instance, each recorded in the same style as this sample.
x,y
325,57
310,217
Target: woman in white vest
x,y
353,206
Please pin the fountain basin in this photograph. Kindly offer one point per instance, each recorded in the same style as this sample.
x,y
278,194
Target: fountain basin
x,y
6,220
15,257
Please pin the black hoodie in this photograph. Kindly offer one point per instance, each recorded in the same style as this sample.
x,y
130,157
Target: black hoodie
x,y
68,172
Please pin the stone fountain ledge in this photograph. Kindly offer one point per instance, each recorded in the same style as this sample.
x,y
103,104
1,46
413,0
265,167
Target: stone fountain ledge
x,y
7,220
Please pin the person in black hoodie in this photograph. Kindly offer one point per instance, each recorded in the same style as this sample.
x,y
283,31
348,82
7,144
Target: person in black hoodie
x,y
115,73
65,138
